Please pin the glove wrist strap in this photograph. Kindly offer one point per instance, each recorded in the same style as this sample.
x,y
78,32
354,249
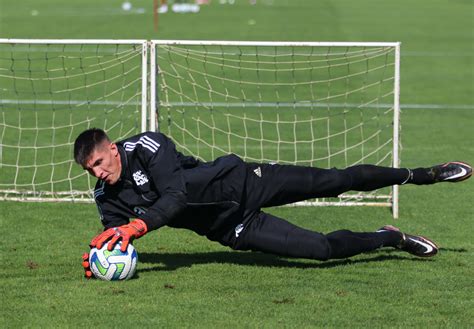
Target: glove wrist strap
x,y
140,227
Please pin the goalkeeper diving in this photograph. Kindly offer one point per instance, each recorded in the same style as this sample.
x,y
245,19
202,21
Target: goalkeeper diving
x,y
144,183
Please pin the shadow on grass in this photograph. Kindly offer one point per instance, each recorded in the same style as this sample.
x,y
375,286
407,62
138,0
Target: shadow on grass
x,y
460,250
173,261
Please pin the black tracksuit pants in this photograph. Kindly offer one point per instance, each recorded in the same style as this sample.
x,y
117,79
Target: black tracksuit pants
x,y
272,185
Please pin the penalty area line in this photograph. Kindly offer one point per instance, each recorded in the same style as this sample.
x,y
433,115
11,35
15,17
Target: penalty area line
x,y
241,104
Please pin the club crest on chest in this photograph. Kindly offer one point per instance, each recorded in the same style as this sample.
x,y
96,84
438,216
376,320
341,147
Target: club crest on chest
x,y
140,178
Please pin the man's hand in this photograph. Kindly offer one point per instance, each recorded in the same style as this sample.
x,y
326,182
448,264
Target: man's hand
x,y
126,233
86,265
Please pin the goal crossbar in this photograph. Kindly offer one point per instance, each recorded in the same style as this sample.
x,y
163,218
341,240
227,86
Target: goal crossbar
x,y
274,43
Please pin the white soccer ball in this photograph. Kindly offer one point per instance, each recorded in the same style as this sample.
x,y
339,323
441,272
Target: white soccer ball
x,y
113,265
126,6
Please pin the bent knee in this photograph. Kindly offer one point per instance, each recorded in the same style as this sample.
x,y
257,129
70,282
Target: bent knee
x,y
303,243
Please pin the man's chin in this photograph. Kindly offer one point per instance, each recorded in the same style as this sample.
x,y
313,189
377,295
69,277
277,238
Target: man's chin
x,y
110,180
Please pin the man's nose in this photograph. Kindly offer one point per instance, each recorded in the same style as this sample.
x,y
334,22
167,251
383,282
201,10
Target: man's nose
x,y
97,172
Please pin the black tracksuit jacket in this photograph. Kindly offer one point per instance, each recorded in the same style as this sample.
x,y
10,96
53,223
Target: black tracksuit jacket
x,y
161,186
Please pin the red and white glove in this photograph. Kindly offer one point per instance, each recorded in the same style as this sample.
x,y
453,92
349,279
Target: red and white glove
x,y
86,266
126,233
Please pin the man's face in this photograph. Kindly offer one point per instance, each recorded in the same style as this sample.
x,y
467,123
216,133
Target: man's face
x,y
104,163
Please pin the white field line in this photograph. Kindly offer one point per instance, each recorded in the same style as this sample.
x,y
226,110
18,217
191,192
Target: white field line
x,y
404,53
414,53
98,12
244,104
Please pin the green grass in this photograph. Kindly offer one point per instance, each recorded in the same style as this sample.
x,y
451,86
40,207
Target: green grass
x,y
186,281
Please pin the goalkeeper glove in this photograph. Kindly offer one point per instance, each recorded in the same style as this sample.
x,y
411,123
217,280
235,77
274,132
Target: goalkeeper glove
x,y
126,233
86,265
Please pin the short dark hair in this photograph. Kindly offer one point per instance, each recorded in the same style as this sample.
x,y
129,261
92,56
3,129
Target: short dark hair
x,y
87,142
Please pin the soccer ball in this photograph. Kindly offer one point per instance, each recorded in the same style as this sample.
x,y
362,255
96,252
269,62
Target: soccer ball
x,y
113,265
126,6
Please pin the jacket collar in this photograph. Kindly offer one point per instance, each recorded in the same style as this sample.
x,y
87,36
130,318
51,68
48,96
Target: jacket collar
x,y
123,160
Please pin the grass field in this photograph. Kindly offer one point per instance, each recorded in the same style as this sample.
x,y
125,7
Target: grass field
x,y
184,280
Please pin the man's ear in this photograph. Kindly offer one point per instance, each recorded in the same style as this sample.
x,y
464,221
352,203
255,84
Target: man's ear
x,y
113,149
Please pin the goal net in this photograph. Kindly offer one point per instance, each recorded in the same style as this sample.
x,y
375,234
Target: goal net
x,y
52,90
312,104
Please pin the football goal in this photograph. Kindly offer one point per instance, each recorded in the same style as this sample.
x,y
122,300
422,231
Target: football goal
x,y
324,104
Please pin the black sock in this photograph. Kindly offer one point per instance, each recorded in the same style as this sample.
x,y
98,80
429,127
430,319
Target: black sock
x,y
345,243
421,176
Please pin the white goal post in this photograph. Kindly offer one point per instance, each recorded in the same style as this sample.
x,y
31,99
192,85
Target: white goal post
x,y
324,104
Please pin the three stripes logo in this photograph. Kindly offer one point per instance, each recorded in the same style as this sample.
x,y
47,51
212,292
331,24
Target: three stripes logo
x,y
100,190
144,141
258,172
